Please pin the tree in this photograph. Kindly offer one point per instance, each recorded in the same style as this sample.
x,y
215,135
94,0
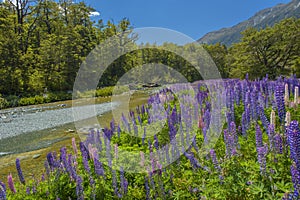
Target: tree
x,y
271,50
218,52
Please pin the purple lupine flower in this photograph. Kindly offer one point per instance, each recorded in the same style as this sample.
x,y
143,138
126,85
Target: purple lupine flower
x,y
108,133
85,155
214,159
239,130
258,136
79,188
27,190
156,144
150,146
119,130
253,103
2,191
43,177
34,191
151,178
227,142
11,184
279,97
204,130
295,177
232,131
20,174
293,133
144,136
159,168
99,170
147,188
287,196
153,160
173,117
194,162
112,125
172,130
139,119
230,138
71,168
63,157
244,124
92,182
98,141
195,144
135,128
263,117
261,156
91,150
124,182
271,132
114,182
278,144
51,161
74,146
46,164
143,109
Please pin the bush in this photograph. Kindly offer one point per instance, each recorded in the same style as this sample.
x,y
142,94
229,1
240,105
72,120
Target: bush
x,y
3,103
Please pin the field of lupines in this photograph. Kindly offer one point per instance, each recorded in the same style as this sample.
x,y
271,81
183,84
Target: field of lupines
x,y
167,149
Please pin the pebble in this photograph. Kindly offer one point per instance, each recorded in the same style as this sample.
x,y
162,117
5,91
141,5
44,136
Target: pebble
x,y
70,131
36,156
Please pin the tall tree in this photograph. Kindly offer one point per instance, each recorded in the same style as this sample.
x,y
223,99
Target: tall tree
x,y
271,50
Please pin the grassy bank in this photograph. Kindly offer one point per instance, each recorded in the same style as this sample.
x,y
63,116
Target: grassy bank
x,y
49,97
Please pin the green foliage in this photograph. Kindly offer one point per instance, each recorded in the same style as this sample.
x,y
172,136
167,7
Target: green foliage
x,y
239,177
273,50
3,102
46,45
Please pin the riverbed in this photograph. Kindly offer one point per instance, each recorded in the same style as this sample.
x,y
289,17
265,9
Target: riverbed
x,y
31,141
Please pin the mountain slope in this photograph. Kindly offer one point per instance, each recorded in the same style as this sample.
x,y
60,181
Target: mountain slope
x,y
263,18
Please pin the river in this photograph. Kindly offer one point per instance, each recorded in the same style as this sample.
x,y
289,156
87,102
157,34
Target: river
x,y
30,128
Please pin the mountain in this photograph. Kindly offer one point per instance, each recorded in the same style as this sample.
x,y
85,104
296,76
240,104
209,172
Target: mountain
x,y
263,18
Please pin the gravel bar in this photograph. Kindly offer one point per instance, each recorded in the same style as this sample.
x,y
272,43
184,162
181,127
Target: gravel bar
x,y
26,122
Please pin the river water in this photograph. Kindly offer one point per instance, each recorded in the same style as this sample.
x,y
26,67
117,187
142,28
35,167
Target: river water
x,y
29,128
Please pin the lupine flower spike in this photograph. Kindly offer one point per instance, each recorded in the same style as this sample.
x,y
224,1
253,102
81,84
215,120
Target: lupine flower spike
x,y
296,95
20,173
287,118
11,184
273,118
286,94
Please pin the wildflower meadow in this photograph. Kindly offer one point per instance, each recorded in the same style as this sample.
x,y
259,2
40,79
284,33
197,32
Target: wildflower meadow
x,y
167,148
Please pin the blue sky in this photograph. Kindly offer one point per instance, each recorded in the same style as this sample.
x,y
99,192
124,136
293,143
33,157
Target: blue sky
x,y
191,17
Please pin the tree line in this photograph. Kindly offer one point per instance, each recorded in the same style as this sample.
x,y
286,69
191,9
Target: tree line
x,y
274,51
43,43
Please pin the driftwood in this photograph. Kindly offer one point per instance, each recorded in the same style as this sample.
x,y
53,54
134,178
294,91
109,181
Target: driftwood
x,y
150,85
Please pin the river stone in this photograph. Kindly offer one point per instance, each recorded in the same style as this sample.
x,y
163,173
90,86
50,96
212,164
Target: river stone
x,y
70,131
36,156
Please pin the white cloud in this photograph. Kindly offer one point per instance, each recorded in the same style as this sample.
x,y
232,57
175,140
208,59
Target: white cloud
x,y
93,14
